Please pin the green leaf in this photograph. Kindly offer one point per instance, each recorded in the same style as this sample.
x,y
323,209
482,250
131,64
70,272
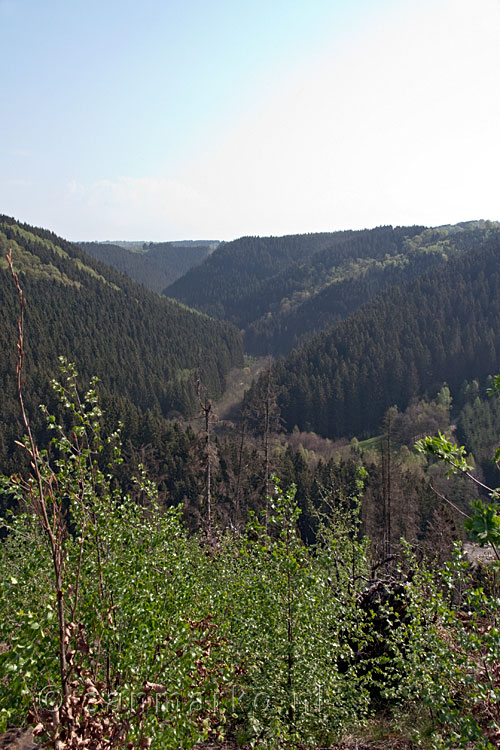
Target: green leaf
x,y
444,449
484,524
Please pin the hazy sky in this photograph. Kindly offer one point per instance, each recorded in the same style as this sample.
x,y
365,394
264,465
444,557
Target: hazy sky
x,y
170,119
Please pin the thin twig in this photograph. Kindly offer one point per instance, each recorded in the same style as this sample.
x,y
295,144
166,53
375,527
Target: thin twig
x,y
455,507
51,531
474,479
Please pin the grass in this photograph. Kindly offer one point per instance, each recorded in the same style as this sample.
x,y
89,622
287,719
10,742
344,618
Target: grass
x,y
371,444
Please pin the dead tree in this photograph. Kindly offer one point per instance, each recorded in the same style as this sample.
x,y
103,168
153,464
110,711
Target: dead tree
x,y
265,415
387,486
239,470
209,416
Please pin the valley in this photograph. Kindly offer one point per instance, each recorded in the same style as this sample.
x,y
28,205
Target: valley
x,y
268,404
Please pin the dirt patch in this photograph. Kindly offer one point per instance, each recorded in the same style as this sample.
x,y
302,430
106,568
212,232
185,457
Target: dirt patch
x,y
238,381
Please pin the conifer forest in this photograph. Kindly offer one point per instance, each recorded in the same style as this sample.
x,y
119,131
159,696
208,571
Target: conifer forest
x,y
249,491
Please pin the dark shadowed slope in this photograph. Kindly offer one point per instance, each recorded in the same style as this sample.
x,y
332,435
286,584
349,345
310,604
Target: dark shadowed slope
x,y
156,266
443,326
143,347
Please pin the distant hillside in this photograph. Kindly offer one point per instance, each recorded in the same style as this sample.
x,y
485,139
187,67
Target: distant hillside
x,y
154,264
144,348
441,326
281,290
333,287
227,284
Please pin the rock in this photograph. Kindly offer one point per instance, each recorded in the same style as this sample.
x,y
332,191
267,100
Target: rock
x,y
17,739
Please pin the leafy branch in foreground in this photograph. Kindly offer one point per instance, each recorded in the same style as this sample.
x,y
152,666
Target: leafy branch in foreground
x,y
477,641
483,524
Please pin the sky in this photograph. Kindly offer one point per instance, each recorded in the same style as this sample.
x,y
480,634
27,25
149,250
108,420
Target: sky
x,y
213,119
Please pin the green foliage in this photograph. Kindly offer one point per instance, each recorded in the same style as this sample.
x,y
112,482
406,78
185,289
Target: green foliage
x,y
145,349
281,290
134,615
183,638
454,456
28,654
474,714
342,381
155,620
468,705
286,623
479,427
484,525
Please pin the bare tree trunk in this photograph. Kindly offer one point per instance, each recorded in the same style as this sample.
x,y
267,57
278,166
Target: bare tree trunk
x,y
208,489
237,498
388,550
208,413
267,439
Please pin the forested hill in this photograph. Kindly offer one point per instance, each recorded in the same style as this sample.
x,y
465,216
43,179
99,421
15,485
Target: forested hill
x,y
443,326
281,290
155,264
143,347
228,284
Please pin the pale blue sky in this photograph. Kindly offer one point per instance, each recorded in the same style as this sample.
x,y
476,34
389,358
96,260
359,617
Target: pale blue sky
x,y
153,119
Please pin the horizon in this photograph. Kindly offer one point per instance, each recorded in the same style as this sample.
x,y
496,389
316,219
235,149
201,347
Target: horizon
x,y
142,241
170,119
287,234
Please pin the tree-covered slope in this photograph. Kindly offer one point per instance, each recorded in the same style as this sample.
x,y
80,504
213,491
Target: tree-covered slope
x,y
156,266
335,285
281,290
144,348
228,284
442,326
